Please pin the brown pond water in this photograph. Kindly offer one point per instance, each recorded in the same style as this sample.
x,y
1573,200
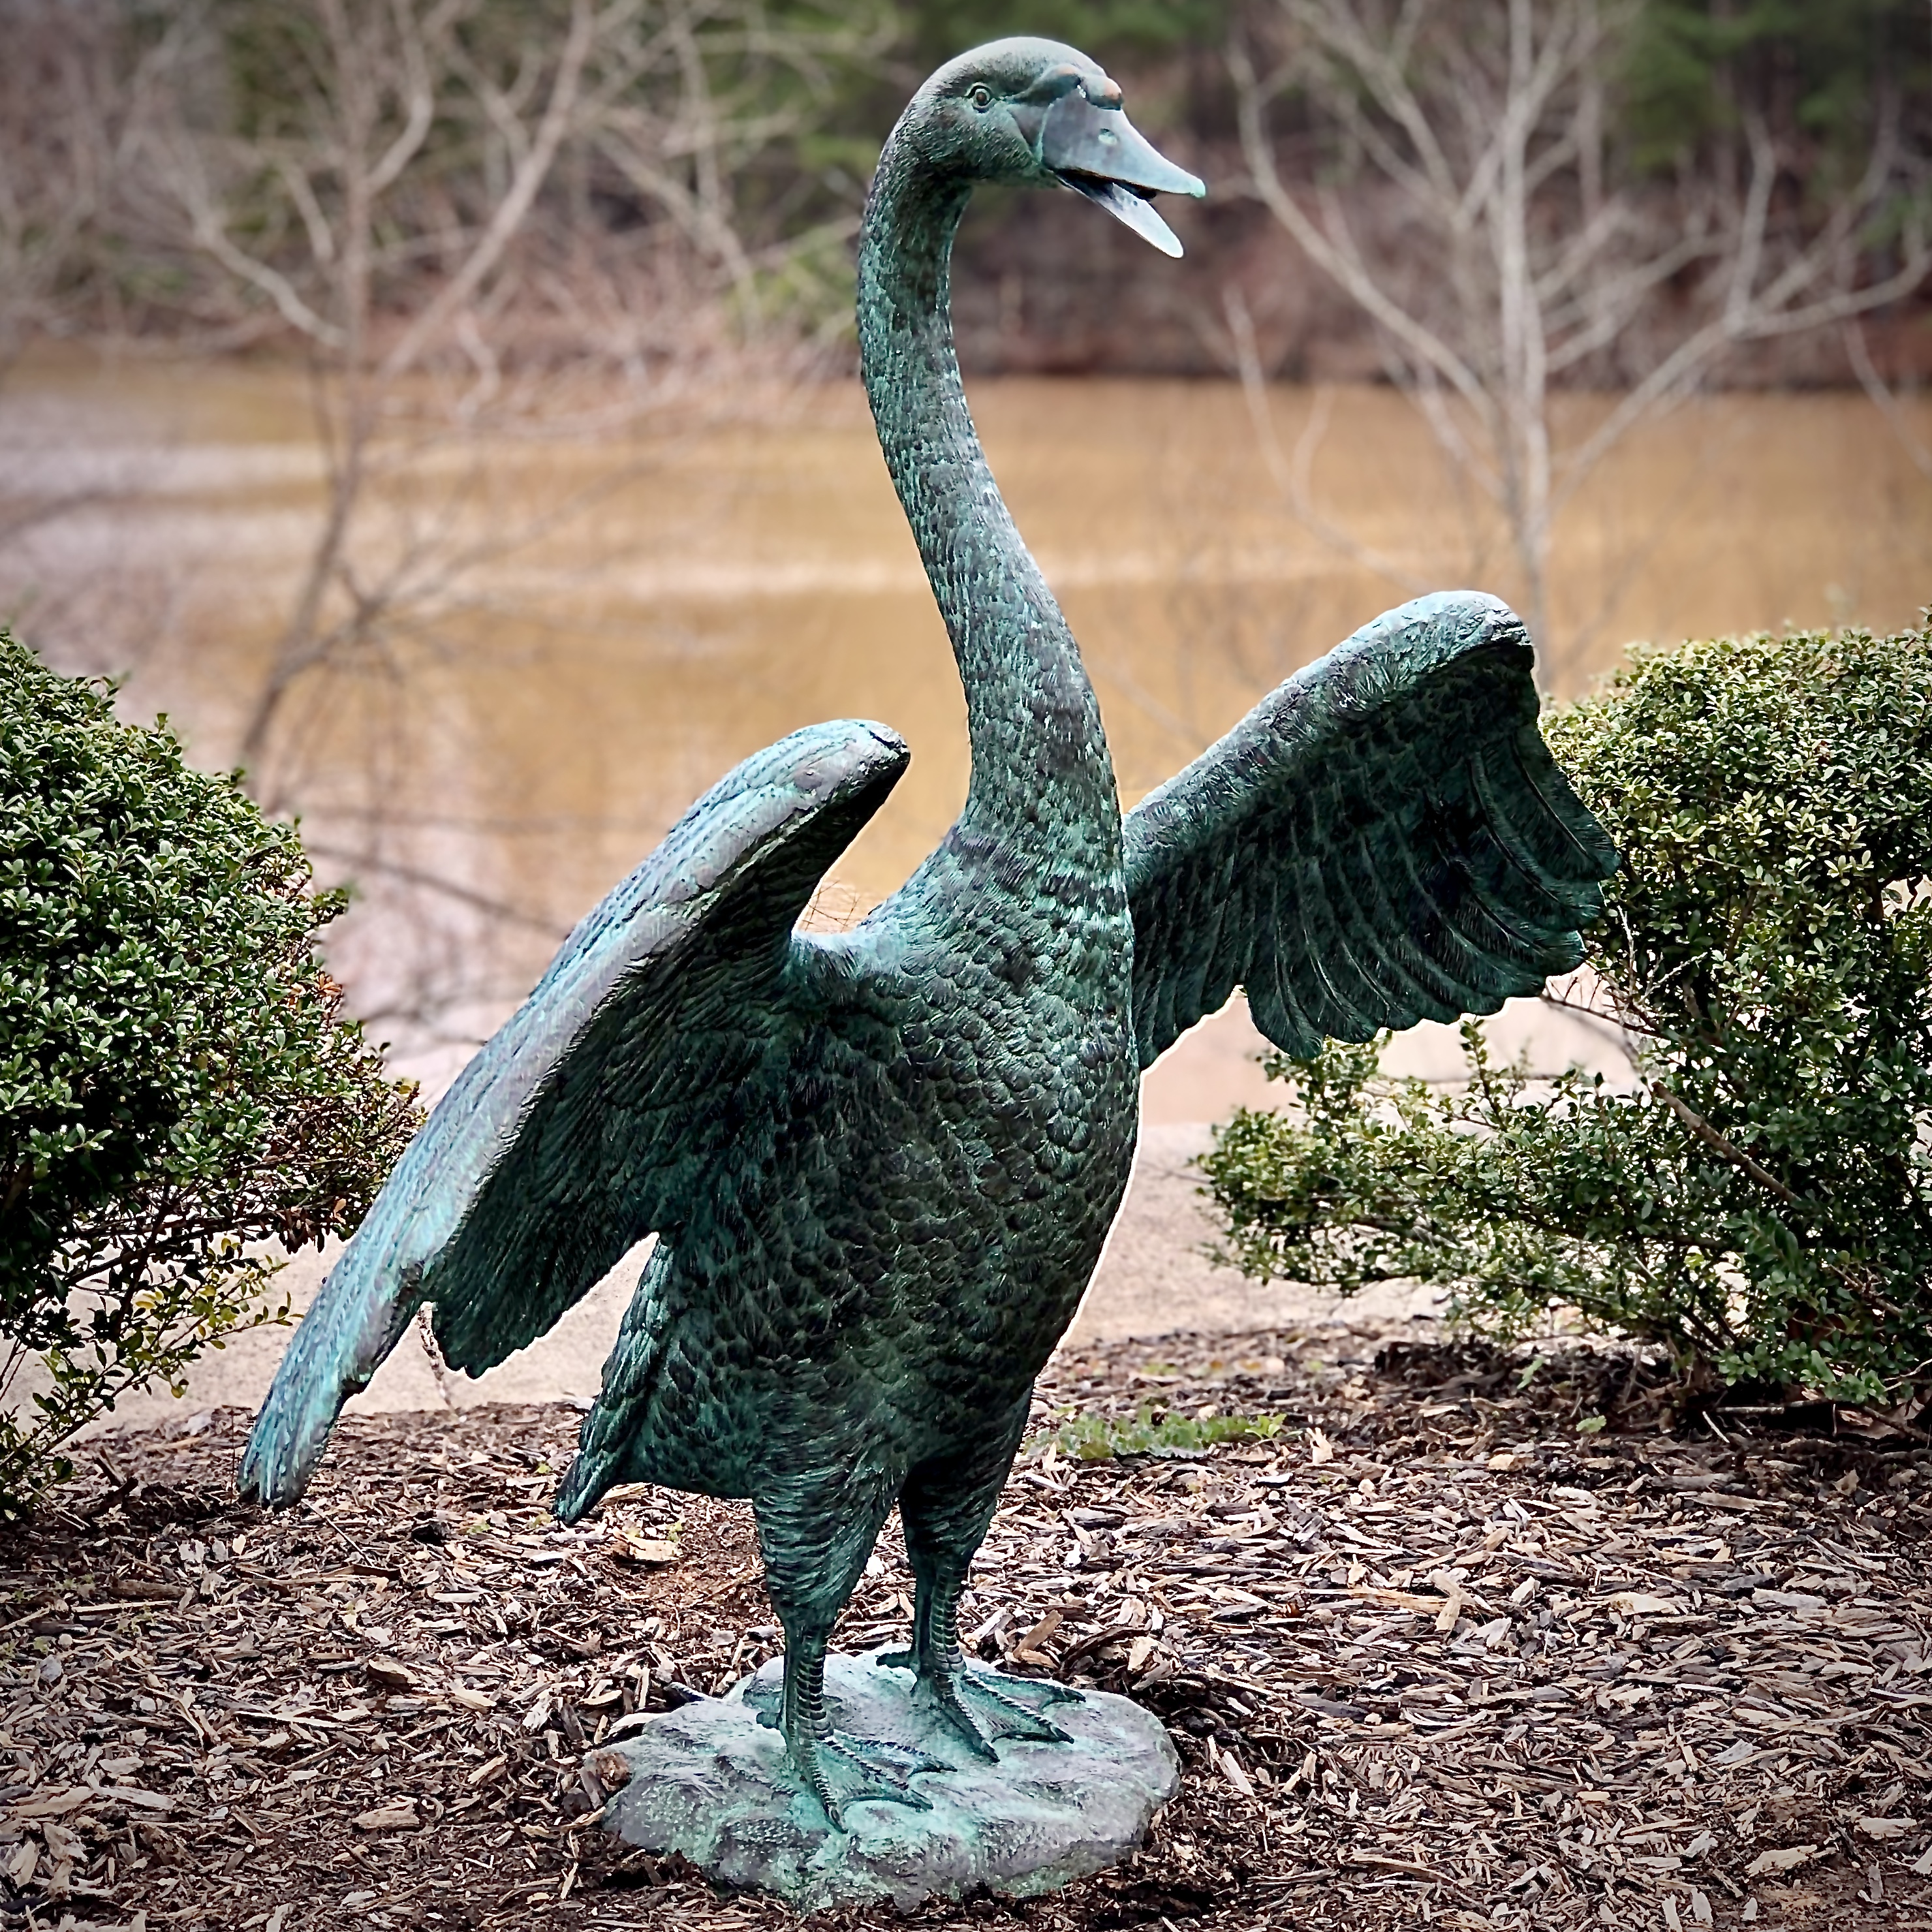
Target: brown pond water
x,y
636,612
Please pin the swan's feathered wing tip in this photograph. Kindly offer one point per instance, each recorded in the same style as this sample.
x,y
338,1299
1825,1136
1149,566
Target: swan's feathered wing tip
x,y
337,1347
1385,838
566,1139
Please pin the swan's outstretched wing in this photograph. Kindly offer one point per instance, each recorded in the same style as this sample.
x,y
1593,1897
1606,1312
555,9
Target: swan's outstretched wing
x,y
1383,839
574,1132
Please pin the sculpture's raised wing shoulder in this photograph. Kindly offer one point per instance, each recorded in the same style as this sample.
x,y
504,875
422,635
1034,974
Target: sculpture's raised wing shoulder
x,y
1383,839
574,1132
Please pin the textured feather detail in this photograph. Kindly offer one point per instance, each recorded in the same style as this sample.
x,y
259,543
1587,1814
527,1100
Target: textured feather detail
x,y
612,1430
570,1135
1385,838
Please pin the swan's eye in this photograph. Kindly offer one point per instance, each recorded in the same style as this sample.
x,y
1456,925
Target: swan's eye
x,y
981,96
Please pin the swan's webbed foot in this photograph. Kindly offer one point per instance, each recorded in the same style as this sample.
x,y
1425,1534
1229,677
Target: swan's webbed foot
x,y
840,1770
981,1706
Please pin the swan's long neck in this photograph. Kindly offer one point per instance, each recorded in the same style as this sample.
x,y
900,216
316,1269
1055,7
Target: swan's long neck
x,y
1040,764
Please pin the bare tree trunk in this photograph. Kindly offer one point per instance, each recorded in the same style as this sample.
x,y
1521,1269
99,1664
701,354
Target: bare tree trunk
x,y
1505,263
368,159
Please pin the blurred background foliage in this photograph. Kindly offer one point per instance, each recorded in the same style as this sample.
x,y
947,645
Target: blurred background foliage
x,y
766,116
1694,73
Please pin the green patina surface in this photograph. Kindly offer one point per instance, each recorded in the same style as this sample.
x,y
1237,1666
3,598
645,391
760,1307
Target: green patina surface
x,y
881,1165
713,1781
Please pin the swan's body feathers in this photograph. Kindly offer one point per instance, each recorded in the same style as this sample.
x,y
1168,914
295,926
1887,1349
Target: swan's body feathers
x,y
1383,839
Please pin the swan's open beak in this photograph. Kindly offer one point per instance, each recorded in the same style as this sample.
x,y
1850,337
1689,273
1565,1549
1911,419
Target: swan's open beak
x,y
1099,152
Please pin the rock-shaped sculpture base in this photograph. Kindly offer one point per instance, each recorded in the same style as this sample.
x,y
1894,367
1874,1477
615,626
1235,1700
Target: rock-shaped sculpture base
x,y
711,1781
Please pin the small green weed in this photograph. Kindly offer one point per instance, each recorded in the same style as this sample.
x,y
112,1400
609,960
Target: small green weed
x,y
1095,1439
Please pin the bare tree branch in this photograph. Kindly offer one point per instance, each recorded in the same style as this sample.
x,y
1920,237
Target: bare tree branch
x,y
533,168
1291,478
1876,387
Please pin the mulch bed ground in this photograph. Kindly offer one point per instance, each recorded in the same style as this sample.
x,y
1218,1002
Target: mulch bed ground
x,y
1432,1654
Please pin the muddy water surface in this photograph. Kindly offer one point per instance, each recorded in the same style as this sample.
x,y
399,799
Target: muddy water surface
x,y
581,633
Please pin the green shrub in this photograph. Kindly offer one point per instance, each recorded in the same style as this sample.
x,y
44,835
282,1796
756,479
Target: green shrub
x,y
177,1087
1762,1202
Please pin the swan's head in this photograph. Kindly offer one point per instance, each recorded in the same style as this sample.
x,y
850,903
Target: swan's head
x,y
1041,112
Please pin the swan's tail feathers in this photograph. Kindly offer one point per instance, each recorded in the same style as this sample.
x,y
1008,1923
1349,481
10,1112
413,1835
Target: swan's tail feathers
x,y
339,1345
614,1446
590,1475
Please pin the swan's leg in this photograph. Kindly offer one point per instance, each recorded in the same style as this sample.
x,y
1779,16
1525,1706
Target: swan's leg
x,y
945,1507
815,1533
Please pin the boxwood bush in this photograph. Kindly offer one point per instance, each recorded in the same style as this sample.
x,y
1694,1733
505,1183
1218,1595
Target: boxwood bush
x,y
1760,1200
180,1095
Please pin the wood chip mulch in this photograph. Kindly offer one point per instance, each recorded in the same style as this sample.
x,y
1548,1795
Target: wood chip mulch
x,y
1432,1653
